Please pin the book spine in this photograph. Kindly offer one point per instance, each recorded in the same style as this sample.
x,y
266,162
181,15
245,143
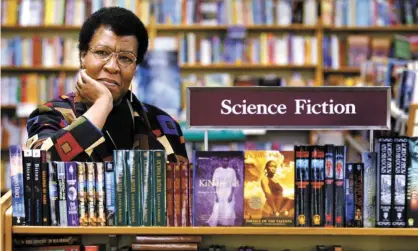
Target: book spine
x,y
177,195
62,194
369,195
139,186
110,193
384,182
160,190
130,188
398,217
82,194
17,186
329,185
91,194
190,194
100,194
72,194
53,193
37,187
412,184
317,186
28,182
302,218
184,187
46,217
146,165
131,176
358,194
119,157
339,198
349,195
170,194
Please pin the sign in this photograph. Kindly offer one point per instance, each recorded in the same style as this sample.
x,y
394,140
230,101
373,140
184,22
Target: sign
x,y
289,108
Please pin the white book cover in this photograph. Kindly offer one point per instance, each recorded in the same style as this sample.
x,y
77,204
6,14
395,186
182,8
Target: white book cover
x,y
298,50
284,12
205,51
191,48
314,48
335,55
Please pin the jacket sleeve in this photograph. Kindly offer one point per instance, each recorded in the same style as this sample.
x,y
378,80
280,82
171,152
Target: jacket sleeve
x,y
48,129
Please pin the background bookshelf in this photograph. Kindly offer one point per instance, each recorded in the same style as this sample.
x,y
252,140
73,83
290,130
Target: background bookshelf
x,y
269,27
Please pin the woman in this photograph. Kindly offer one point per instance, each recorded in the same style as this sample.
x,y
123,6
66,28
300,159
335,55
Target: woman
x,y
276,205
103,115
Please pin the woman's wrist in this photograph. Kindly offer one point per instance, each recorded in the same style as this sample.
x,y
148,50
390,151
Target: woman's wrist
x,y
106,103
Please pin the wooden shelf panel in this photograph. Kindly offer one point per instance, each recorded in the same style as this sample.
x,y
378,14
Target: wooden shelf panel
x,y
401,28
171,28
351,70
216,231
38,69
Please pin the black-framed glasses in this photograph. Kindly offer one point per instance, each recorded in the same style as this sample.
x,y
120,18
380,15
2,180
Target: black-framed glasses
x,y
104,53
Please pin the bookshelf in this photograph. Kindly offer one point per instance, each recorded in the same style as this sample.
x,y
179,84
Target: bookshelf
x,y
280,231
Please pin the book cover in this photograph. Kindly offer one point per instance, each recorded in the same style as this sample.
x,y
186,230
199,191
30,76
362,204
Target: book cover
x,y
177,194
100,196
37,187
159,167
121,203
329,185
110,193
91,193
369,183
358,194
317,172
170,194
384,149
412,184
16,174
46,216
82,194
62,193
349,194
53,193
218,188
191,194
184,187
269,188
339,199
302,194
399,182
28,182
72,194
146,167
132,160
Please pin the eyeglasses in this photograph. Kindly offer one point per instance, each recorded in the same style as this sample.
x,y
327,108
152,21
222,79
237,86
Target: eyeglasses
x,y
103,53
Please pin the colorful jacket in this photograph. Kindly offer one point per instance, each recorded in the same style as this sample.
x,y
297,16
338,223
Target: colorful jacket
x,y
60,127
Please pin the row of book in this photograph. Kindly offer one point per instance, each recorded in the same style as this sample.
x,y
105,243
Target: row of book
x,y
211,12
137,189
266,48
355,50
45,51
369,13
35,88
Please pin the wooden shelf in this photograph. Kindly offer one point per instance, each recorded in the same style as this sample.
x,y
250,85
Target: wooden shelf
x,y
400,28
38,69
216,231
192,27
8,107
348,70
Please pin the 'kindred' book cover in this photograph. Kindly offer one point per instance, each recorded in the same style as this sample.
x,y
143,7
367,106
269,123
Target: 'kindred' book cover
x,y
218,188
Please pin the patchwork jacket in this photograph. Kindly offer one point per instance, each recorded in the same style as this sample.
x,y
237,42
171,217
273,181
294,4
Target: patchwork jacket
x,y
60,128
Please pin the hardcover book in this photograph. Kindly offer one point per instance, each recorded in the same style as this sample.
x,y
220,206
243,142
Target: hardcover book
x,y
302,209
269,188
218,188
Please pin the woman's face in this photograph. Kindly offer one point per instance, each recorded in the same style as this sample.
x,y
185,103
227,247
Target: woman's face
x,y
272,167
116,77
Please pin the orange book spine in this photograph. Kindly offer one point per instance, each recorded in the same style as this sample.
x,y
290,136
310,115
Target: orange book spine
x,y
170,194
177,195
184,169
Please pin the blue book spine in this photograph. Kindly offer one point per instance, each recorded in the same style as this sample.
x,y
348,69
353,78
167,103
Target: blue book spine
x,y
16,172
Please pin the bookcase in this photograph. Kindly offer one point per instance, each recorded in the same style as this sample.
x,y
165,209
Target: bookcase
x,y
271,238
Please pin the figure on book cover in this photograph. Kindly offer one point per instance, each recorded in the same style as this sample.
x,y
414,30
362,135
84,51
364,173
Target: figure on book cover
x,y
225,181
103,115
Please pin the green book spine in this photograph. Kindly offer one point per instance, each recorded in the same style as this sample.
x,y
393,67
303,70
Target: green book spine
x,y
133,163
160,190
119,159
138,183
129,189
147,185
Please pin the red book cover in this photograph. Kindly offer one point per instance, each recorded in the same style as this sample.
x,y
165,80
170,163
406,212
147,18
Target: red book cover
x,y
177,195
184,183
170,194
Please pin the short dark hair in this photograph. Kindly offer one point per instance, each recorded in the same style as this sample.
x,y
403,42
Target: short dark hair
x,y
121,21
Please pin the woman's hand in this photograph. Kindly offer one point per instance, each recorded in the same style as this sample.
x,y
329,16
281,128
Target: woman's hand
x,y
90,90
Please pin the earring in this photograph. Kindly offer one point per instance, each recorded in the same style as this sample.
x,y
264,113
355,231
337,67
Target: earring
x,y
130,88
